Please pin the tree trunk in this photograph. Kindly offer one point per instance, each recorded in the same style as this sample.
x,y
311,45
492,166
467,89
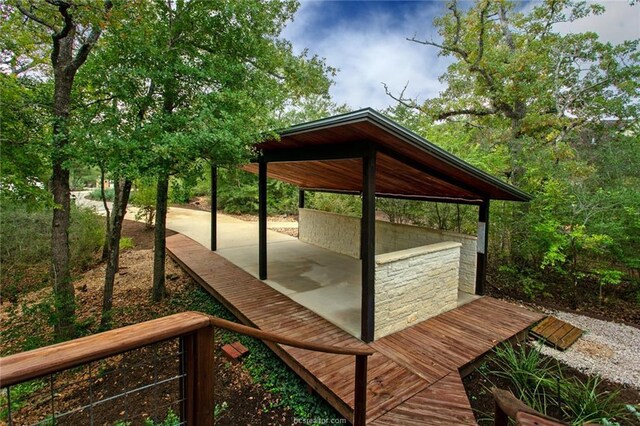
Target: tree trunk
x,y
105,248
65,65
159,249
60,274
120,202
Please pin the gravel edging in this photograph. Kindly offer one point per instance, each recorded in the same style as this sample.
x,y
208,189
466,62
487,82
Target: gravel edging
x,y
608,349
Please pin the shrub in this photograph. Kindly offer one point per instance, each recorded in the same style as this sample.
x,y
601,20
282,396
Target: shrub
x,y
26,237
86,236
180,191
336,203
144,197
541,384
96,194
126,243
25,252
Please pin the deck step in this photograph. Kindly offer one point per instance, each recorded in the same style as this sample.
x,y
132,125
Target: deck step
x,y
557,333
234,351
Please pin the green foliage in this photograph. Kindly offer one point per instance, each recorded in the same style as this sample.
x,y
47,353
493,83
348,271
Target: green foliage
x,y
126,243
144,197
172,419
529,373
555,114
238,193
541,384
84,177
336,203
96,194
23,147
264,367
86,237
532,287
26,237
583,402
19,394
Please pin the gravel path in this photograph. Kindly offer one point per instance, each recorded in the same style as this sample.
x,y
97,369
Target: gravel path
x,y
606,348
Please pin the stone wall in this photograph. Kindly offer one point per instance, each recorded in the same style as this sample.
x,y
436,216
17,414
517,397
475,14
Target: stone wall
x,y
335,232
415,284
392,237
341,234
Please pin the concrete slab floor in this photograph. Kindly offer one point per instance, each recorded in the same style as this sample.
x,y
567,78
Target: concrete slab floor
x,y
323,281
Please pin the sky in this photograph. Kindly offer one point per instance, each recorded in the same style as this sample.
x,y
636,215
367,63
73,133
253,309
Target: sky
x,y
366,41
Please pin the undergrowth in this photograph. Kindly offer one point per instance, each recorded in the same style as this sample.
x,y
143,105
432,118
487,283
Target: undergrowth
x,y
541,384
264,367
26,245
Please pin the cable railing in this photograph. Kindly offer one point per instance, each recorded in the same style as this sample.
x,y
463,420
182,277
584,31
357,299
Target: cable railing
x,y
140,374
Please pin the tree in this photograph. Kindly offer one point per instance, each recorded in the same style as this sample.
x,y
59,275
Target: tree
x,y
74,28
513,72
210,77
548,112
24,166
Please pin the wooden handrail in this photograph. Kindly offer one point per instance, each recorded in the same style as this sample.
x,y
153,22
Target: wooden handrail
x,y
508,406
50,359
272,337
197,331
40,362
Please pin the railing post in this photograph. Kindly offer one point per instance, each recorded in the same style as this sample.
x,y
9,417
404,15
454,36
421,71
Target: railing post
x,y
360,397
500,418
199,381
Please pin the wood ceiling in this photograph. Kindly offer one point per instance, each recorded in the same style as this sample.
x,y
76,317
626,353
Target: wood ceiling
x,y
407,166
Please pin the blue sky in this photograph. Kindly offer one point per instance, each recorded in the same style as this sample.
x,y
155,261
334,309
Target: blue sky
x,y
366,40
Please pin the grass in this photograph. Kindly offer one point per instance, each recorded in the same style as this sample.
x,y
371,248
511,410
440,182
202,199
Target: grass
x,y
541,384
126,243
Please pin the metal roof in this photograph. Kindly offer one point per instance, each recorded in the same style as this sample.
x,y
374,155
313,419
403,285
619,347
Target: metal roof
x,y
322,155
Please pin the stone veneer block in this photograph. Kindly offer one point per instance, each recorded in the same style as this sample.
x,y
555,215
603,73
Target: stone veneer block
x,y
415,284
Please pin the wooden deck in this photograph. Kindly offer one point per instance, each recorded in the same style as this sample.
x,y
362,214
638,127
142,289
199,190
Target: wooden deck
x,y
413,378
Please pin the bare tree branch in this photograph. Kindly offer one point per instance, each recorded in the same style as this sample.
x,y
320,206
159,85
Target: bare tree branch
x,y
453,49
409,103
483,14
470,111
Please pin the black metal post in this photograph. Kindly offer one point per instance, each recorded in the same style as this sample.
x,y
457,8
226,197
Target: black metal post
x,y
262,220
301,199
214,207
360,392
368,243
482,247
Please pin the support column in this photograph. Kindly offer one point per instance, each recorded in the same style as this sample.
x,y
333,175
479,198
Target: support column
x,y
214,207
482,246
368,243
301,199
262,220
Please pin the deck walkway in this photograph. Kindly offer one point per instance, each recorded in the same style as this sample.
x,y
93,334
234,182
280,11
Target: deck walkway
x,y
413,376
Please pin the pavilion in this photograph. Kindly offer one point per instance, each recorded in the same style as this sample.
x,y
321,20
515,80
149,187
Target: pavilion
x,y
364,153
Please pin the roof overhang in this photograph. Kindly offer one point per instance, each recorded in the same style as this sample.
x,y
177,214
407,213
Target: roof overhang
x,y
326,155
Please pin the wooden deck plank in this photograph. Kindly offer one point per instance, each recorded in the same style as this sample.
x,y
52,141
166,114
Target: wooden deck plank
x,y
443,403
413,376
557,333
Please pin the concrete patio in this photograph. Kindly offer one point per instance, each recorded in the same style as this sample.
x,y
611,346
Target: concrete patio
x,y
321,280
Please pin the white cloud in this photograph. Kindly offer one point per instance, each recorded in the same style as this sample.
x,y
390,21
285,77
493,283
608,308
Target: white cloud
x,y
370,51
618,23
371,47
